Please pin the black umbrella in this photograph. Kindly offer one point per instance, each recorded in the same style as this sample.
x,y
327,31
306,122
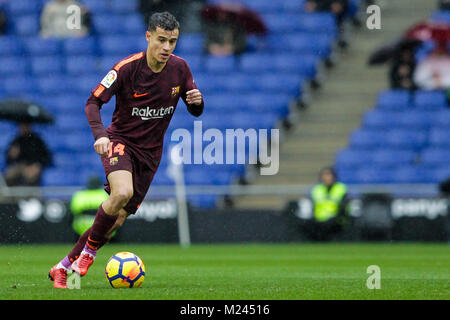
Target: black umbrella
x,y
388,52
235,13
24,112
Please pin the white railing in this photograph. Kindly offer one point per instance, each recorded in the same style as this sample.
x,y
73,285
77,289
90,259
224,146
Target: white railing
x,y
424,190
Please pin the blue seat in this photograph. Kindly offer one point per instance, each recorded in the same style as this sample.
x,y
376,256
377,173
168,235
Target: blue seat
x,y
79,46
441,173
10,46
119,45
107,62
441,16
133,24
268,6
263,6
77,65
350,159
387,119
289,83
94,6
68,104
57,84
416,120
373,175
394,100
47,65
375,119
207,83
280,22
246,120
367,139
237,83
13,65
306,64
412,174
441,119
221,100
120,6
192,43
256,62
17,84
162,179
430,100
26,25
195,63
348,176
406,139
433,156
270,103
323,22
393,157
60,177
108,24
63,160
220,64
202,201
22,7
78,141
86,83
439,137
36,46
69,123
301,43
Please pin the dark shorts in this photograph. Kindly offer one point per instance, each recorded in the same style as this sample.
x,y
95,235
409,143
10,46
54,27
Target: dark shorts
x,y
120,158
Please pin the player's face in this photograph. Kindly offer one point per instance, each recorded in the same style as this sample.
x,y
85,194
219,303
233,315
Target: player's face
x,y
161,43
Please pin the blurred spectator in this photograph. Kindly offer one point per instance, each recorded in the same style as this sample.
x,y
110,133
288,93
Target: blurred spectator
x,y
330,202
223,37
402,69
148,7
187,11
444,5
227,25
3,21
85,203
55,16
337,7
26,157
433,72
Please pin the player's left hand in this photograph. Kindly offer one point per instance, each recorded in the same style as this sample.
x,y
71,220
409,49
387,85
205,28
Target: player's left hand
x,y
194,96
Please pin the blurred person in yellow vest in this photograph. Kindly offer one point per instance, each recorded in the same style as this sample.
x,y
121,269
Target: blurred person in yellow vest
x,y
329,199
85,203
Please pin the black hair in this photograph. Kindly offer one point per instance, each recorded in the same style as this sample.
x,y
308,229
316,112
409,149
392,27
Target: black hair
x,y
164,20
330,170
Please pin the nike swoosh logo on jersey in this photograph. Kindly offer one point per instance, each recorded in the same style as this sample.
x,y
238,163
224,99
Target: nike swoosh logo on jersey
x,y
136,95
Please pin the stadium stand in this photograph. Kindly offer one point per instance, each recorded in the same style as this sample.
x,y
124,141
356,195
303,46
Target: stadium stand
x,y
59,75
404,139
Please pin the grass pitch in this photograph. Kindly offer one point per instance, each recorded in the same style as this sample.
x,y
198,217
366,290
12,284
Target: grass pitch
x,y
253,271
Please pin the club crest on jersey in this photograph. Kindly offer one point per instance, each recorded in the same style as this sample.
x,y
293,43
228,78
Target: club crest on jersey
x,y
109,79
151,113
175,91
113,161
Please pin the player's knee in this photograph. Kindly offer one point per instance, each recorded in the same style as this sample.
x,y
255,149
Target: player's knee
x,y
122,196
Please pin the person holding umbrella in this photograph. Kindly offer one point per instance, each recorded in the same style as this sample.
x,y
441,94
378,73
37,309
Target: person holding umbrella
x,y
27,155
227,26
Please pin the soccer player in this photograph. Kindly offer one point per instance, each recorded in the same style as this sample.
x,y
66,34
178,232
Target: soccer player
x,y
147,86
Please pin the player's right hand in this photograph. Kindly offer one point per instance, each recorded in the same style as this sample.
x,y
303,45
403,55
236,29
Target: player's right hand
x,y
101,146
